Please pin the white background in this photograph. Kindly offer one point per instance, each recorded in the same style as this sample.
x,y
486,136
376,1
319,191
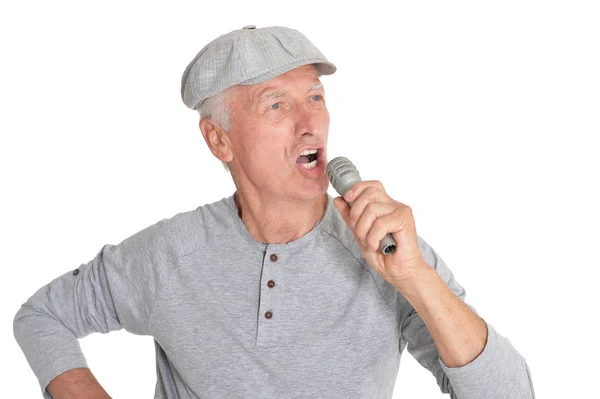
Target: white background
x,y
482,116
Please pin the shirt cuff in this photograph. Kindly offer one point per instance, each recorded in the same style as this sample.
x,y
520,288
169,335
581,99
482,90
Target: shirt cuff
x,y
61,366
498,369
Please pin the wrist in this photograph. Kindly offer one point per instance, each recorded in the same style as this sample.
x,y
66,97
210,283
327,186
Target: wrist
x,y
418,282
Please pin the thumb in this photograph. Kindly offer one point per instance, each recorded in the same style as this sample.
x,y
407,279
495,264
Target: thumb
x,y
344,209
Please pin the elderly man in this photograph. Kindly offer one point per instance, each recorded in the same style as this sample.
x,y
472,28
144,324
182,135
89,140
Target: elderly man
x,y
277,291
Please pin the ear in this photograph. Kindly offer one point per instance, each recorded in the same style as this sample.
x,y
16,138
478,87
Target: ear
x,y
216,139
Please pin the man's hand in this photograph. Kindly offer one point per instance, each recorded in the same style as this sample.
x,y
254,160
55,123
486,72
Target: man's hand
x,y
459,334
76,384
373,215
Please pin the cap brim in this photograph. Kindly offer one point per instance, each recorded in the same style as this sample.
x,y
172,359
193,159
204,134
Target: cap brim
x,y
323,68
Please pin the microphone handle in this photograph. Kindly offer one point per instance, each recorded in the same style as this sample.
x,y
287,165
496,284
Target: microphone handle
x,y
387,245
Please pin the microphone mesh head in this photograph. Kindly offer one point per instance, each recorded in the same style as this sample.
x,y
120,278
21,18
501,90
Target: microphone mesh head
x,y
342,174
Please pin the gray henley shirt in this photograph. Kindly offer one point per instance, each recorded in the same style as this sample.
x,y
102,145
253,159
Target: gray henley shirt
x,y
235,318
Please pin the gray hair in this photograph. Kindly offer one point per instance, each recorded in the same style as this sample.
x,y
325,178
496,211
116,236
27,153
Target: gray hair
x,y
216,108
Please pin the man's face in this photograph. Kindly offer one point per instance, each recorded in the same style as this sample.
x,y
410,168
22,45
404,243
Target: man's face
x,y
271,124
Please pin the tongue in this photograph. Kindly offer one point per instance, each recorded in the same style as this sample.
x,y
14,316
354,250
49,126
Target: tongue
x,y
302,159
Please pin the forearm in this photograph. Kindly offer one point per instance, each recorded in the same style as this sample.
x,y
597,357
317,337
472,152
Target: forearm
x,y
76,383
470,359
458,333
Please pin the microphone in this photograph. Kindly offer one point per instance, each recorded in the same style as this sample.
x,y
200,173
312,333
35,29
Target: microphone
x,y
342,175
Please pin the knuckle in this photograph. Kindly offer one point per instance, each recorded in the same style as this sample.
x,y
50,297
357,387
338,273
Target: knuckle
x,y
378,225
403,209
372,196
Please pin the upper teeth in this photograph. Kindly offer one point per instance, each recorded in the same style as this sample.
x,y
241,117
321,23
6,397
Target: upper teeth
x,y
308,152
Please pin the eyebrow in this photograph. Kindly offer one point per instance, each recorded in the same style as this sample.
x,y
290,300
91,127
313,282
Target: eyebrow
x,y
281,93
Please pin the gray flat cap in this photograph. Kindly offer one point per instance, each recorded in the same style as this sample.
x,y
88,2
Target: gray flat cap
x,y
248,56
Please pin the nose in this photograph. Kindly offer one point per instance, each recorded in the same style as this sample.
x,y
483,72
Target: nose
x,y
309,121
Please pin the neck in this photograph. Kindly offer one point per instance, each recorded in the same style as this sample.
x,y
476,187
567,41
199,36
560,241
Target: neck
x,y
279,221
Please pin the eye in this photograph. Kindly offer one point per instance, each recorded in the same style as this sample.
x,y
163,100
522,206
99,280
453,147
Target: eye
x,y
274,106
319,97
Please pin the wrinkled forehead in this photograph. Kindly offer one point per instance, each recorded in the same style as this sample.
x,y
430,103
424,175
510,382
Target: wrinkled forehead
x,y
304,79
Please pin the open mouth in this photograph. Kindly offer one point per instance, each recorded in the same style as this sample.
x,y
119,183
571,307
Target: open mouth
x,y
309,158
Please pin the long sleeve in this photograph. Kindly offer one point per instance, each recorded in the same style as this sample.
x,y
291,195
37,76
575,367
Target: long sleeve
x,y
115,290
499,372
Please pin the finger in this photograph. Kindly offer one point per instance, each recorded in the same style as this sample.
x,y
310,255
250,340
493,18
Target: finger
x,y
393,223
369,195
405,232
344,209
373,211
358,188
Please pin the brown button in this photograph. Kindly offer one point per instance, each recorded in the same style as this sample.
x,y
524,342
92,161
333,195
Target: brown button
x,y
75,272
268,315
273,258
271,283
